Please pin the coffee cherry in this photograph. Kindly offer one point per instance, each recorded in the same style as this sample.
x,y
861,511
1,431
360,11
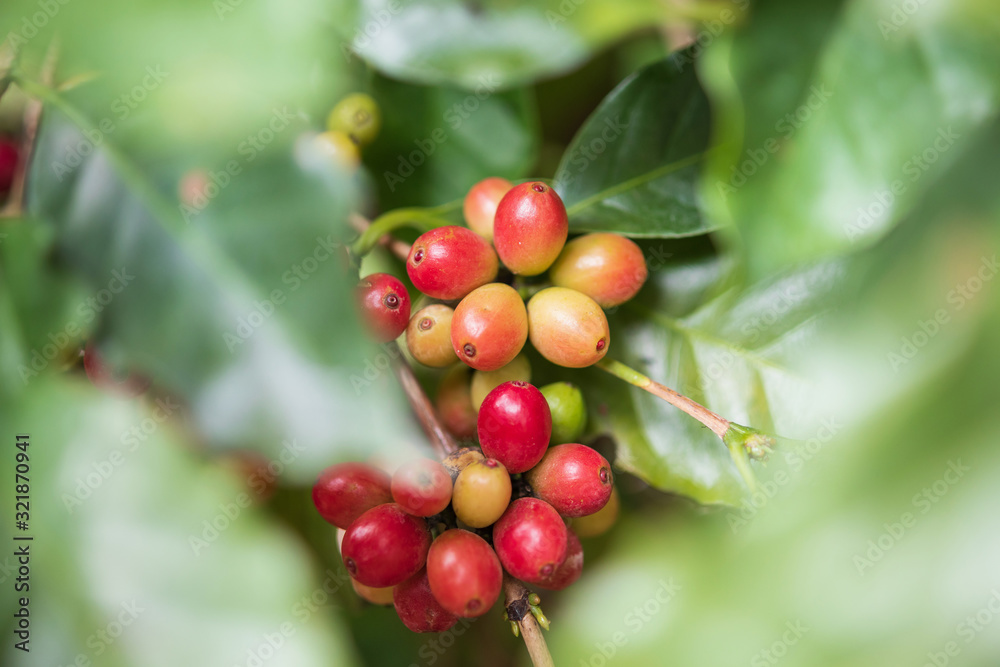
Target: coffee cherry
x,y
483,382
568,328
345,491
379,596
482,493
480,205
454,403
417,607
385,306
573,478
530,228
530,539
9,156
490,327
110,379
569,413
385,546
464,573
460,459
514,426
340,148
570,569
422,487
428,336
358,116
600,521
608,268
449,262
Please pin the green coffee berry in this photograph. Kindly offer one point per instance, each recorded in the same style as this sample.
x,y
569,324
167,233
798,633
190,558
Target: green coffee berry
x,y
569,412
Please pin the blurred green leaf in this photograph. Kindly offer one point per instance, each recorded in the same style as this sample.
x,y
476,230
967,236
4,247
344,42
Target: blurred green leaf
x,y
453,42
633,168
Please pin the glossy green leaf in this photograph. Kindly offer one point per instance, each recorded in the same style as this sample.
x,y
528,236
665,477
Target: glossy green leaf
x,y
633,167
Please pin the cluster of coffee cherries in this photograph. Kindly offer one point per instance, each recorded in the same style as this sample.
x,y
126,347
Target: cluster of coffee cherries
x,y
435,538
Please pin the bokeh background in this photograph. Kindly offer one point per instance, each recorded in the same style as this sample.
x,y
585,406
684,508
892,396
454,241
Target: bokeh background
x,y
815,188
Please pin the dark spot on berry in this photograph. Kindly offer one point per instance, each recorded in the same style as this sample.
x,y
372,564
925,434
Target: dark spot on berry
x,y
539,187
601,344
391,301
352,567
425,323
547,570
473,605
469,350
605,475
418,256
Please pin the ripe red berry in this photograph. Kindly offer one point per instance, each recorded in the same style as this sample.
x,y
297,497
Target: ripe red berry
x,y
530,228
454,403
490,327
428,336
385,546
8,164
570,569
573,478
530,539
568,328
464,573
110,379
422,487
515,425
345,491
417,607
385,306
480,205
449,262
608,268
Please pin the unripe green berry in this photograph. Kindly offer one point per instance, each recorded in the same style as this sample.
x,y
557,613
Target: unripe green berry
x,y
608,268
490,327
483,382
482,493
358,116
569,412
428,336
567,327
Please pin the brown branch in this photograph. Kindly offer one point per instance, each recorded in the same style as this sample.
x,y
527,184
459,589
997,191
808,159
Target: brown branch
x,y
443,443
400,249
515,594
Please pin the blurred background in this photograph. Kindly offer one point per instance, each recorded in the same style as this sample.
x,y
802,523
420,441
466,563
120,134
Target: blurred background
x,y
813,185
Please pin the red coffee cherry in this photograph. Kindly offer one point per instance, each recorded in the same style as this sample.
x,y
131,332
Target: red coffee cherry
x,y
568,328
9,157
454,403
417,607
449,262
422,487
483,382
573,478
345,491
608,268
480,205
530,228
107,378
385,546
385,306
482,493
570,569
428,336
530,539
490,327
515,426
464,573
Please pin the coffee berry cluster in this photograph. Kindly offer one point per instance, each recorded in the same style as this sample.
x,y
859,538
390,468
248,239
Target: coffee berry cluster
x,y
434,538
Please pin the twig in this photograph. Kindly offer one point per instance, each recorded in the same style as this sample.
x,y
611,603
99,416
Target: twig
x,y
443,443
516,595
400,249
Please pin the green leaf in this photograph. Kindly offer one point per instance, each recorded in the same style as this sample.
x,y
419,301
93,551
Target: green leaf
x,y
633,167
448,139
495,42
816,173
737,354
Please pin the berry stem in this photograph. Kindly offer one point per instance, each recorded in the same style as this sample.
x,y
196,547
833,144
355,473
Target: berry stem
x,y
423,219
515,592
744,443
443,443
400,249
